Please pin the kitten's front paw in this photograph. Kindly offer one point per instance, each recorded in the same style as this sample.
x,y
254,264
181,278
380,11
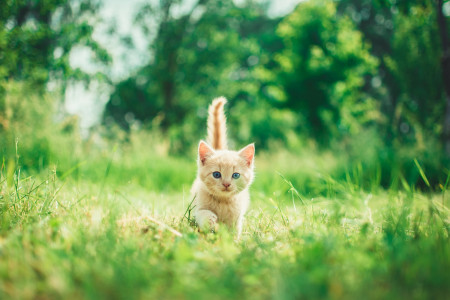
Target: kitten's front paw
x,y
207,220
213,223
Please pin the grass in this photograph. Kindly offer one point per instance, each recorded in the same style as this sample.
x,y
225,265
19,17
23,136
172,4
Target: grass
x,y
111,229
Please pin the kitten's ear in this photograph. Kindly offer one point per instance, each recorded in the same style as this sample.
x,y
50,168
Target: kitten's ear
x,y
204,150
248,153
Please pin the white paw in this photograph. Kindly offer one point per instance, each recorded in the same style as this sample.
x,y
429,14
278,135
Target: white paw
x,y
212,220
213,225
207,220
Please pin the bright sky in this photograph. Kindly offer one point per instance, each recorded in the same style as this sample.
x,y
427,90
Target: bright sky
x,y
89,103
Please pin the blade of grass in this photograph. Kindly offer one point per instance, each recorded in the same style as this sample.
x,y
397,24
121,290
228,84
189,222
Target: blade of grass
x,y
422,173
444,188
292,189
71,170
188,210
151,219
108,168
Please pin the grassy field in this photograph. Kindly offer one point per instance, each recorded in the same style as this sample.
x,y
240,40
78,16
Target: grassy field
x,y
117,227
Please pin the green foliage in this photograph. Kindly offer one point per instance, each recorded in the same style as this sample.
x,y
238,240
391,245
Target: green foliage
x,y
405,38
420,104
349,75
36,39
344,101
215,49
61,238
26,123
323,68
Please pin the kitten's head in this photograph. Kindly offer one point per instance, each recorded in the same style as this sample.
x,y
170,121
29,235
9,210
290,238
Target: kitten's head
x,y
225,172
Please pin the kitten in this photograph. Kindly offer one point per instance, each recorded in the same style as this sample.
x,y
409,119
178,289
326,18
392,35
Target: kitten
x,y
224,176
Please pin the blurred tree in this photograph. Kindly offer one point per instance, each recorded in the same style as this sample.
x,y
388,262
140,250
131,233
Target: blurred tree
x,y
374,18
405,38
445,64
339,66
414,63
36,38
323,69
211,49
408,38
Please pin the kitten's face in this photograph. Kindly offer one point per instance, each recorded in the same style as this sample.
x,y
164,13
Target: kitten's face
x,y
226,173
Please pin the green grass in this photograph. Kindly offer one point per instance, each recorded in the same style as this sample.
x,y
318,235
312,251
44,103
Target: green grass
x,y
111,232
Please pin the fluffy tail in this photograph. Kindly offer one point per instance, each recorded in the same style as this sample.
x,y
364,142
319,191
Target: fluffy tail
x,y
217,127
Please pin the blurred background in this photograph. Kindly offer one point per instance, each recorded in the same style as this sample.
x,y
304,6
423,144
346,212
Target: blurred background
x,y
358,87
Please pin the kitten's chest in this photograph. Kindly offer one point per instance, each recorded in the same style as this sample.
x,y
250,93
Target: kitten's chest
x,y
227,212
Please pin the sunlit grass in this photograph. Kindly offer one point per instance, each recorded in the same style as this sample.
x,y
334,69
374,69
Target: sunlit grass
x,y
77,238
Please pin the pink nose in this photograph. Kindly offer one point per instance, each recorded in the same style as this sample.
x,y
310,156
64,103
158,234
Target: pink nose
x,y
226,185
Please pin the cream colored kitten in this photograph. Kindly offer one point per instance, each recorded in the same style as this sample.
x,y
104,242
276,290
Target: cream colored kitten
x,y
224,176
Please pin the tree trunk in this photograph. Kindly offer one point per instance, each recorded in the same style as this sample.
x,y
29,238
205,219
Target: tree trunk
x,y
446,131
445,65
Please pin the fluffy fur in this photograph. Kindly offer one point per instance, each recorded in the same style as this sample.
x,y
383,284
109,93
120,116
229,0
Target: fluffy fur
x,y
223,199
217,127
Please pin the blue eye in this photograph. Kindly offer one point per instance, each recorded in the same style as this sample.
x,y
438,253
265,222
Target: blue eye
x,y
217,175
236,175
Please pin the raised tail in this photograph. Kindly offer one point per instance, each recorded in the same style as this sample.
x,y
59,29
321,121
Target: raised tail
x,y
217,127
